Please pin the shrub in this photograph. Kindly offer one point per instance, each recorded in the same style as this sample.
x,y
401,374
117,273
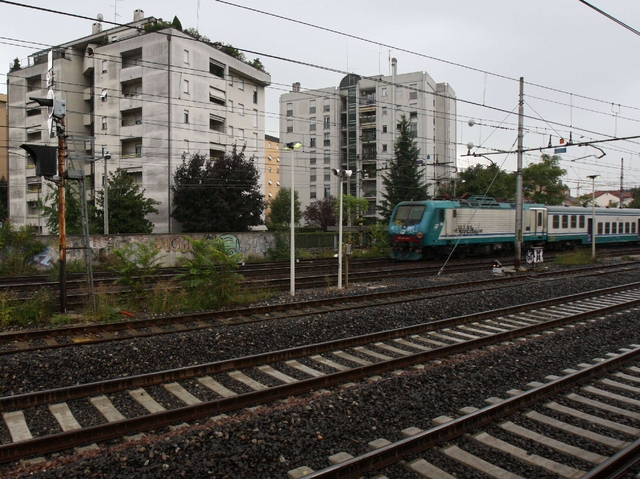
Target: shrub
x,y
18,247
136,264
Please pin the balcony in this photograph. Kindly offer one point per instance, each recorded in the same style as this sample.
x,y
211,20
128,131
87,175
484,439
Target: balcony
x,y
87,94
131,73
130,101
131,130
34,121
87,119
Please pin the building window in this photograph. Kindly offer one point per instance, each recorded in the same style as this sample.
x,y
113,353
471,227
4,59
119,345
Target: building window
x,y
240,84
104,66
384,128
327,158
255,142
255,94
414,128
186,116
312,192
312,175
327,191
240,109
384,147
230,131
312,160
312,106
230,106
327,139
413,95
384,110
185,56
384,91
185,86
327,122
413,115
289,126
216,68
312,123
138,150
255,118
326,105
186,146
312,142
230,80
289,109
241,133
327,174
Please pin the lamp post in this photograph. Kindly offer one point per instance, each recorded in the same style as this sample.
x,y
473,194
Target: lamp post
x,y
593,215
293,146
341,174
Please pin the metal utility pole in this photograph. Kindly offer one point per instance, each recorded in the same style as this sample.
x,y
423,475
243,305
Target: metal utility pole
x,y
62,227
518,238
621,186
106,194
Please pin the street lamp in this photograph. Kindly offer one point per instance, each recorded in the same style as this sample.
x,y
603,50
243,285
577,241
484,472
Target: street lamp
x,y
341,174
293,146
593,215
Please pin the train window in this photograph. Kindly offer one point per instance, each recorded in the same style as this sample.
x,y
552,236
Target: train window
x,y
614,227
620,228
539,219
455,213
626,227
565,221
633,227
581,222
556,221
607,228
441,216
574,221
599,228
407,215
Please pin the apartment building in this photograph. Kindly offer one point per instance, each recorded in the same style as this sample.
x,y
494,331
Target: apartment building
x,y
145,97
353,126
271,169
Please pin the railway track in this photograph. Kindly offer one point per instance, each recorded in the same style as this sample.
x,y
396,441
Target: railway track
x,y
119,407
489,440
37,340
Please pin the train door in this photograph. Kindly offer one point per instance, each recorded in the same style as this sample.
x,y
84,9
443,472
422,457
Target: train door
x,y
590,230
538,221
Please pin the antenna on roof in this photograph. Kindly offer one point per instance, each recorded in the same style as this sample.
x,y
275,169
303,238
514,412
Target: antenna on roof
x,y
115,10
100,17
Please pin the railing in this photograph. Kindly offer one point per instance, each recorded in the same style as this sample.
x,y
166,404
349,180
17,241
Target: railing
x,y
128,156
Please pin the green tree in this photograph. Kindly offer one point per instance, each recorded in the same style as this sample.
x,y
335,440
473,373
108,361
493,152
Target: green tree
x,y
403,180
16,65
229,50
128,207
256,63
321,213
280,214
4,199
217,195
542,181
176,23
481,180
635,201
352,209
72,209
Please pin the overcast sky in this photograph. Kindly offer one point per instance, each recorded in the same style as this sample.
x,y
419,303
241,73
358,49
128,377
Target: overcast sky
x,y
581,69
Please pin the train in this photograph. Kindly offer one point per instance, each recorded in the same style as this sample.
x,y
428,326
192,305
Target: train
x,y
477,225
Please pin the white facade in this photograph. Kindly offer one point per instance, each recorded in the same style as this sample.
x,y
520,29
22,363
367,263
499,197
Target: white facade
x,y
352,126
147,99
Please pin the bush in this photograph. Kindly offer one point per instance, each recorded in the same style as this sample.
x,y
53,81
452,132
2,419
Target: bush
x,y
18,247
136,264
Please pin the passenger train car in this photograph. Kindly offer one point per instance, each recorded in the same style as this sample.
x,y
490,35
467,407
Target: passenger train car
x,y
480,225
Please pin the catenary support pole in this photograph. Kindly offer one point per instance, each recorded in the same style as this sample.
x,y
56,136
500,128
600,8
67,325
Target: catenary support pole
x,y
518,237
62,229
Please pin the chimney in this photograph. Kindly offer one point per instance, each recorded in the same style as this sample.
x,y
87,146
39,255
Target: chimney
x,y
296,87
394,66
97,28
138,15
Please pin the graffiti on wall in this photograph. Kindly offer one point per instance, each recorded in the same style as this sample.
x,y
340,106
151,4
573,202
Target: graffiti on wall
x,y
256,244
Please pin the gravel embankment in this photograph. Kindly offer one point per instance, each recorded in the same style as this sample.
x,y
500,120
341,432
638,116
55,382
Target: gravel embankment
x,y
306,430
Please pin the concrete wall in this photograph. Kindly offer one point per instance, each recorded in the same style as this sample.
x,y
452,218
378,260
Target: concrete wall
x,y
172,246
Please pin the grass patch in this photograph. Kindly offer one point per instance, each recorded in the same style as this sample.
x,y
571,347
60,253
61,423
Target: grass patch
x,y
574,258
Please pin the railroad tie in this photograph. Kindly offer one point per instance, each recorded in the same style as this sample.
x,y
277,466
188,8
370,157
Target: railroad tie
x,y
63,415
533,459
216,387
17,425
285,378
612,425
328,362
182,394
610,395
305,369
353,359
106,408
474,462
247,381
428,470
604,406
373,354
146,401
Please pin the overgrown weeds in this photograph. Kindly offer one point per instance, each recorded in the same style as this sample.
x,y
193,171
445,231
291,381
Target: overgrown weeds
x,y
18,248
580,256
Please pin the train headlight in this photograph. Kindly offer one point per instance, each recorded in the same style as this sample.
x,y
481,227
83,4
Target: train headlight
x,y
419,235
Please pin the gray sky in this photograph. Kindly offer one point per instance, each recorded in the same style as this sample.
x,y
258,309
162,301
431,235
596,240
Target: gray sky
x,y
580,68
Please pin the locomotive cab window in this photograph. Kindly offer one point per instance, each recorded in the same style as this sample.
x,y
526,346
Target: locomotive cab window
x,y
407,215
581,221
441,216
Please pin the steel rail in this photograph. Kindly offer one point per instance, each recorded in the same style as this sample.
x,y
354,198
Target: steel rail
x,y
392,453
65,440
